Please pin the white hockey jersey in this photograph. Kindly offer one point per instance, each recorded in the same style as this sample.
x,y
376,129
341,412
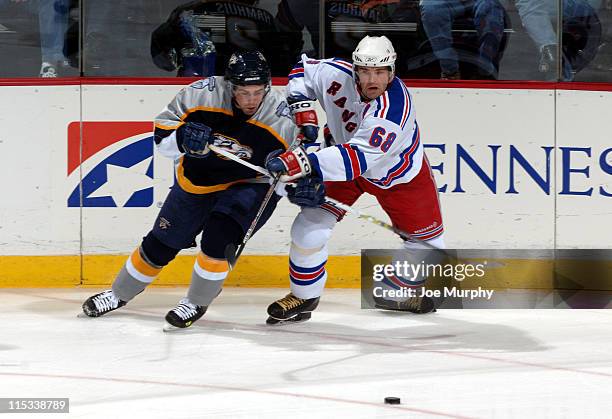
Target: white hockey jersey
x,y
378,139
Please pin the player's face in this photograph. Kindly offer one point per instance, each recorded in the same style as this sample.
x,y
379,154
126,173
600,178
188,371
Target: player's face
x,y
248,98
373,81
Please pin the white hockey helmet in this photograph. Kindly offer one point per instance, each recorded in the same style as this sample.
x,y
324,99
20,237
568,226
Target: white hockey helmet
x,y
375,51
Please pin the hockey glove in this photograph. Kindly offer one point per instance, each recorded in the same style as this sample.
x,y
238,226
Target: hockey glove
x,y
193,138
308,192
293,164
305,116
328,138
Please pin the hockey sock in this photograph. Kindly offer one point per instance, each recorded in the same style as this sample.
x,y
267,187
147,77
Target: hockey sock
x,y
415,259
206,279
307,271
134,277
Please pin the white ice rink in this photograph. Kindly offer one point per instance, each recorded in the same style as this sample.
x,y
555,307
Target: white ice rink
x,y
342,363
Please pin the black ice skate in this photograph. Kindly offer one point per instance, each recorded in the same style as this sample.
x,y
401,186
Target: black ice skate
x,y
102,303
291,309
184,315
418,305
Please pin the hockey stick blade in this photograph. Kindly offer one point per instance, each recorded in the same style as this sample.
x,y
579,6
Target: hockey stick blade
x,y
231,255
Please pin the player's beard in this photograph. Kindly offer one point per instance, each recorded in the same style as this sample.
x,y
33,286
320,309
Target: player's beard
x,y
368,97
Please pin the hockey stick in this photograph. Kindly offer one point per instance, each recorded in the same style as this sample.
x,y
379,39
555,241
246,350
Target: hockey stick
x,y
237,159
231,252
404,235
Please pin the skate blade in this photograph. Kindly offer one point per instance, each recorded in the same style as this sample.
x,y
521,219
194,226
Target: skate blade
x,y
299,318
403,310
168,328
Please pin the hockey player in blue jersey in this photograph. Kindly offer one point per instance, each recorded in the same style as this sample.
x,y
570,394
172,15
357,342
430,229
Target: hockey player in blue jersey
x,y
212,195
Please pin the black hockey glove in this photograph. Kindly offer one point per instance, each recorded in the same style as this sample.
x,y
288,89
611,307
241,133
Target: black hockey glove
x,y
193,138
308,192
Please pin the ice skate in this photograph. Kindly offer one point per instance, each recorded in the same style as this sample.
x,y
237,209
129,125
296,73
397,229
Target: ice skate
x,y
291,309
417,305
183,315
102,303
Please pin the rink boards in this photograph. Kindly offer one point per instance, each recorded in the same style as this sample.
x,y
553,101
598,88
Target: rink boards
x,y
517,167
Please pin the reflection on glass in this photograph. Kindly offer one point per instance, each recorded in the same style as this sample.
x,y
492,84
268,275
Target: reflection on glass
x,y
45,22
198,58
601,66
467,39
450,39
228,26
581,37
116,35
482,52
53,21
293,17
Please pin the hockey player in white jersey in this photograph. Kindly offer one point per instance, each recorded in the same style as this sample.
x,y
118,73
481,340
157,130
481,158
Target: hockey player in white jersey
x,y
378,150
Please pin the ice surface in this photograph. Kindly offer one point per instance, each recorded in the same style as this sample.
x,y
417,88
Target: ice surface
x,y
342,363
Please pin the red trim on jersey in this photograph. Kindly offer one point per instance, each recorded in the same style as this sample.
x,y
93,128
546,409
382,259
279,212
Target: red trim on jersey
x,y
399,172
345,64
407,106
354,160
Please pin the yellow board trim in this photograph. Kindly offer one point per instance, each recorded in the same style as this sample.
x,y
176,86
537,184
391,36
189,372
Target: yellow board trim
x,y
40,271
264,271
252,271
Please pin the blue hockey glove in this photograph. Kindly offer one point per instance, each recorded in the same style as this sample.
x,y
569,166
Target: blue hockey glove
x,y
193,138
308,192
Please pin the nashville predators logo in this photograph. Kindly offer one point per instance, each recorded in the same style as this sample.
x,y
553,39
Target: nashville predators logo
x,y
233,146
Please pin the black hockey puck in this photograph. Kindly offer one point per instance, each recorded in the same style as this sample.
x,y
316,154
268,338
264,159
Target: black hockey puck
x,y
392,400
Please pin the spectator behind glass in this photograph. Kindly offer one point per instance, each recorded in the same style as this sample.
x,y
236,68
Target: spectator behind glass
x,y
488,21
292,17
53,23
477,46
581,34
223,26
347,21
115,36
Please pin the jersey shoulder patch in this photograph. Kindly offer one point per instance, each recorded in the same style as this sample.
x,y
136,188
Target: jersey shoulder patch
x,y
208,82
395,104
